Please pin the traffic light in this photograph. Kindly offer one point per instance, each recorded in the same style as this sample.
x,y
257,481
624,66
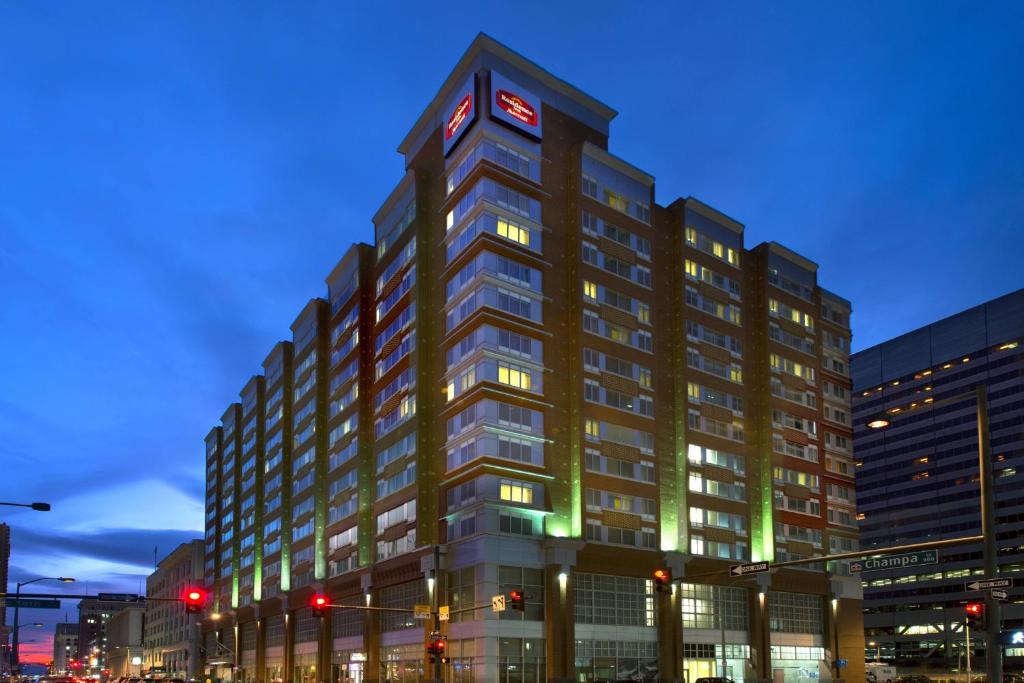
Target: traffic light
x,y
663,580
436,647
319,603
975,615
195,599
517,599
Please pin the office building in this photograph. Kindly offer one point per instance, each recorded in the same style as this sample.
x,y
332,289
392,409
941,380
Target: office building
x,y
93,618
171,640
125,642
917,479
65,647
538,378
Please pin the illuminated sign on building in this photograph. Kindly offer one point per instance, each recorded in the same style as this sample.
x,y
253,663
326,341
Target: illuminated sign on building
x,y
514,106
460,114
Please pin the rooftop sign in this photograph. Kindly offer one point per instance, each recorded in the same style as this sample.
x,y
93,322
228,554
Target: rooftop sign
x,y
460,114
515,106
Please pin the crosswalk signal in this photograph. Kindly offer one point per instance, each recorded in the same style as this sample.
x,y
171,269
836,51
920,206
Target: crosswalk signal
x,y
517,599
975,615
195,599
662,580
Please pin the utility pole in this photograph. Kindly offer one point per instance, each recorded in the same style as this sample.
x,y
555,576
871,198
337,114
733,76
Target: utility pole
x,y
436,603
993,649
967,628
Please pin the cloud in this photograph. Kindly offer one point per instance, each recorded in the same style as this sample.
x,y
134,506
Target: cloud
x,y
127,547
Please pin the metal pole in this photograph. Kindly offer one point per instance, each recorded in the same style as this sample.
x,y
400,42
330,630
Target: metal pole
x,y
437,613
16,663
993,649
968,630
721,624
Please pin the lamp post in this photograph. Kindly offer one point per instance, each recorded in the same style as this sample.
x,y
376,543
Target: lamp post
x,y
17,594
993,649
40,507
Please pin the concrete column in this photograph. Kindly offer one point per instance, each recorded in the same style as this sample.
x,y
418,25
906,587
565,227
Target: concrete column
x,y
559,624
288,664
323,661
760,628
560,608
371,633
261,646
670,621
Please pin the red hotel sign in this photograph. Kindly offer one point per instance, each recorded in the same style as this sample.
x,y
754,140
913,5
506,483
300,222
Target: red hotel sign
x,y
458,117
462,110
516,107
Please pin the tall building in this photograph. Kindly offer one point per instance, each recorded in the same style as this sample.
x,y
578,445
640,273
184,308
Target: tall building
x,y
538,378
125,632
917,479
170,634
93,617
65,646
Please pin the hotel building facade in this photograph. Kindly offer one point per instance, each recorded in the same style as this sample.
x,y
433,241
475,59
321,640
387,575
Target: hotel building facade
x,y
538,378
917,479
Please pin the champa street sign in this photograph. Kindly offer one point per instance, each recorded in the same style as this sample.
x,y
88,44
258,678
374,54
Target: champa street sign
x,y
917,559
421,611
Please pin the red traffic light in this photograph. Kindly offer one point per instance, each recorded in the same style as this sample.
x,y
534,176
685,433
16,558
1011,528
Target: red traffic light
x,y
439,645
517,599
974,608
194,598
662,579
319,603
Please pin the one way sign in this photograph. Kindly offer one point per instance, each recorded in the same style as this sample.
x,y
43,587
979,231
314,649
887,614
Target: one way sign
x,y
985,584
744,569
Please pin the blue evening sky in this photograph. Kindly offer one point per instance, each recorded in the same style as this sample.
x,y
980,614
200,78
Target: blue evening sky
x,y
176,179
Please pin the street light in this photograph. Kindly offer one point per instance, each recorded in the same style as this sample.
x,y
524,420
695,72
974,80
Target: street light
x,y
41,507
993,649
17,594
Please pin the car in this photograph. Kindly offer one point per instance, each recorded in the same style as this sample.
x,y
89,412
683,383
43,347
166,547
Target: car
x,y
714,679
913,678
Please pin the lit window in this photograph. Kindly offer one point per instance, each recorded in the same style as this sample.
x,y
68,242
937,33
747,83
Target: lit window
x,y
516,492
513,232
513,375
692,269
589,290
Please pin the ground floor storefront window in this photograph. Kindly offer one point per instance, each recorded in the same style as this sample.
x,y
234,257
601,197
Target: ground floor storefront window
x,y
403,664
304,668
348,666
704,660
609,660
273,669
796,664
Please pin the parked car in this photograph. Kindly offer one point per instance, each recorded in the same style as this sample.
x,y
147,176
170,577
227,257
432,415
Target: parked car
x,y
913,678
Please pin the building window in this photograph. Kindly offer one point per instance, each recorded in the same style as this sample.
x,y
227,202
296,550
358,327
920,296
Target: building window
x,y
614,600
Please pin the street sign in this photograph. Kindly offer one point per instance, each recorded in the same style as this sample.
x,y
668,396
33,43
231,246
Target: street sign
x,y
36,603
421,612
999,594
444,613
117,597
744,569
985,584
498,603
896,561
